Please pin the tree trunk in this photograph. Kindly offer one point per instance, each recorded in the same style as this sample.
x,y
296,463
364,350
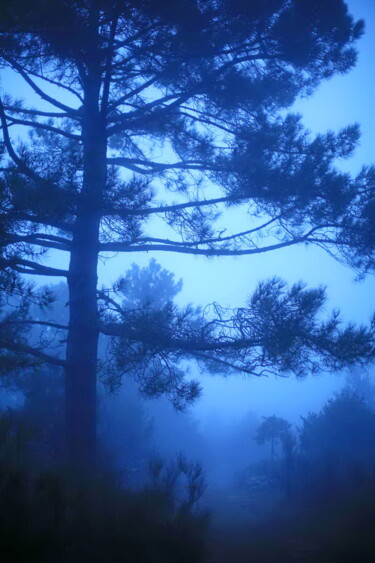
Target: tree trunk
x,y
82,342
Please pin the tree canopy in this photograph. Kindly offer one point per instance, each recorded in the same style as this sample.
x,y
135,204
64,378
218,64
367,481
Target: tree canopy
x,y
152,120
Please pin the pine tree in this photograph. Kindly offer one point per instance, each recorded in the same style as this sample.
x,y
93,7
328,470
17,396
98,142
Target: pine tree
x,y
209,82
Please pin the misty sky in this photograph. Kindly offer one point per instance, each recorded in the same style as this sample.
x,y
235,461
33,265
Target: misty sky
x,y
341,101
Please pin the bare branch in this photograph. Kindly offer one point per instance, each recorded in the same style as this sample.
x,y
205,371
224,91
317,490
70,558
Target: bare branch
x,y
139,112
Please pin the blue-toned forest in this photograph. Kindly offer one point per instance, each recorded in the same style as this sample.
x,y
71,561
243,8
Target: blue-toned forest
x,y
187,235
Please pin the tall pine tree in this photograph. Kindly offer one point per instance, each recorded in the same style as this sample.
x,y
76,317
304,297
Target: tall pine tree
x,y
208,82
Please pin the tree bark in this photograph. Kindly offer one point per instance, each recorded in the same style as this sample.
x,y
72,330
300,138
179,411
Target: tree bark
x,y
82,341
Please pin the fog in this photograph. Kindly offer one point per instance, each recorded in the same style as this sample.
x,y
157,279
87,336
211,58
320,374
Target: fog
x,y
268,465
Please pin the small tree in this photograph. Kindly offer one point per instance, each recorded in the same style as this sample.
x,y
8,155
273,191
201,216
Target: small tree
x,y
209,82
274,430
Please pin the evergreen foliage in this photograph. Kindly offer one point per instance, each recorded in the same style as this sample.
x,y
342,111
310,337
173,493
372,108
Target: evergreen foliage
x,y
209,83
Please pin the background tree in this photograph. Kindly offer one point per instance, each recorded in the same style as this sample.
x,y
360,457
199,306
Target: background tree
x,y
273,429
209,82
342,431
359,383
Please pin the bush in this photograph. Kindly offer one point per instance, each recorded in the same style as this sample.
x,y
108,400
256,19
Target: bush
x,y
51,517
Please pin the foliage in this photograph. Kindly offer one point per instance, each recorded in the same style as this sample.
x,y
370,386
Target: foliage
x,y
49,515
273,429
359,383
332,451
143,102
151,286
342,431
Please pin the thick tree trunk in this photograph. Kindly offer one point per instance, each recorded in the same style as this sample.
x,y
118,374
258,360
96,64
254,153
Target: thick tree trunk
x,y
82,340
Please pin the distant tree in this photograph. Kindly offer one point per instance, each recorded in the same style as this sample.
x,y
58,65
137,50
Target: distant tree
x,y
289,450
341,435
274,430
359,383
209,82
151,286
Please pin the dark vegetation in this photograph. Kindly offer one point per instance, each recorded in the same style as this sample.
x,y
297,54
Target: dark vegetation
x,y
264,490
153,122
314,500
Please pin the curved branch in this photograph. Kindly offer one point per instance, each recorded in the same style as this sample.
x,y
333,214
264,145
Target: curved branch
x,y
125,247
21,164
24,266
39,239
37,113
58,84
124,212
44,126
38,220
230,365
135,164
211,240
69,110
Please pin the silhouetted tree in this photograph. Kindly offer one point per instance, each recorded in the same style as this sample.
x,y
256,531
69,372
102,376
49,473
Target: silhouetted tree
x,y
343,431
273,429
209,82
289,447
359,383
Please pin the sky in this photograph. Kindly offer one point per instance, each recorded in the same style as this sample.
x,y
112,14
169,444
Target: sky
x,y
336,103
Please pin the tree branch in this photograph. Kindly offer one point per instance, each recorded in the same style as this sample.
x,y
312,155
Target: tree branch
x,y
37,113
38,323
44,126
12,153
135,164
201,242
24,266
38,220
124,212
69,110
125,97
22,348
108,69
58,84
39,239
125,247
